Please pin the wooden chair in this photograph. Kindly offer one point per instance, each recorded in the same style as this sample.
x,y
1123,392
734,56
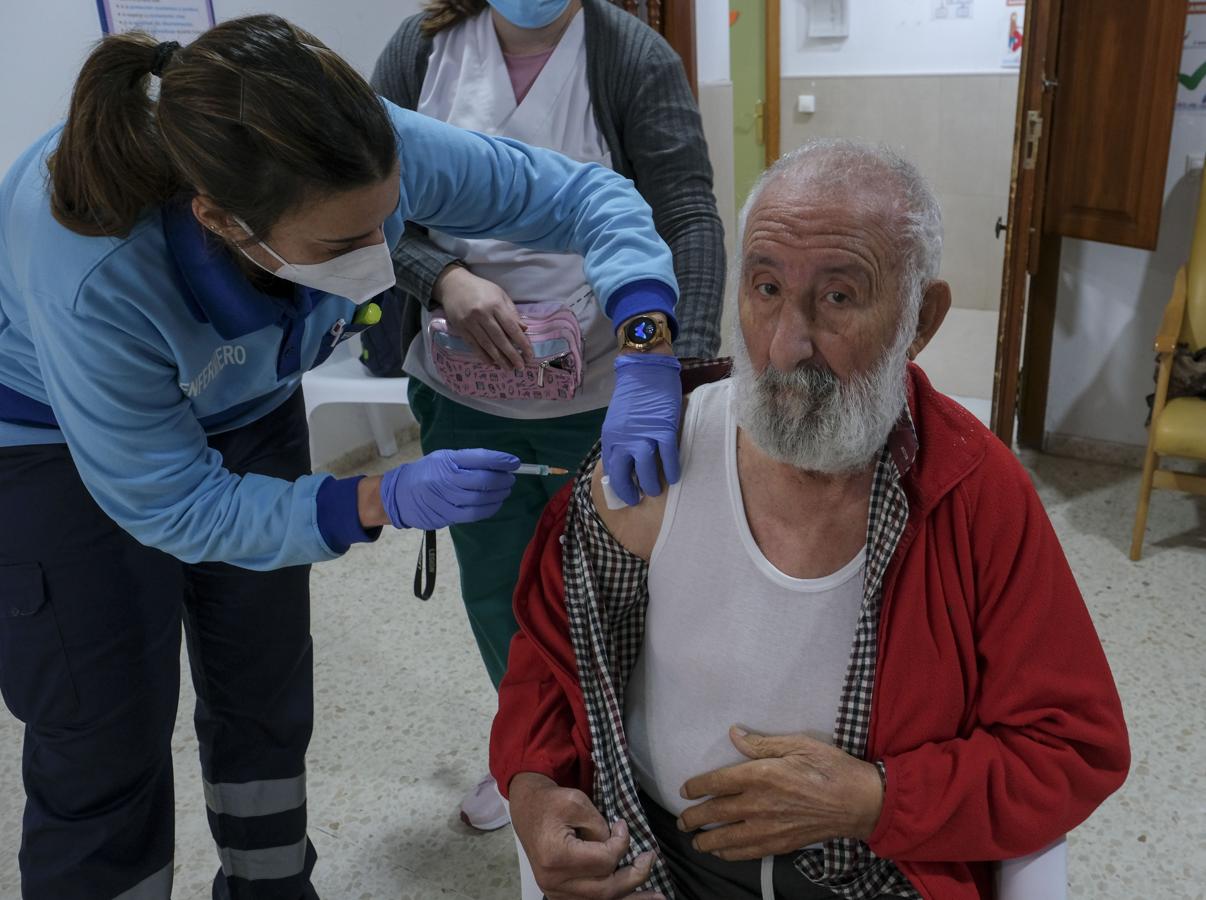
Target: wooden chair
x,y
675,21
1178,426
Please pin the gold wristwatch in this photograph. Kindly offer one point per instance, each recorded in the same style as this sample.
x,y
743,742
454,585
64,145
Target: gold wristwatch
x,y
644,332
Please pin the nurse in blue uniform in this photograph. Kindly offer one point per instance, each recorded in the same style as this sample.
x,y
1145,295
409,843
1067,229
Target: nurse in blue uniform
x,y
168,270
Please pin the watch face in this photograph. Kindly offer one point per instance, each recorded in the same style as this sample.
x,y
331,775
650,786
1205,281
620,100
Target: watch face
x,y
642,331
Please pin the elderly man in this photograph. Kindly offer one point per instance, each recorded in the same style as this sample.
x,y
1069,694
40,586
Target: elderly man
x,y
844,656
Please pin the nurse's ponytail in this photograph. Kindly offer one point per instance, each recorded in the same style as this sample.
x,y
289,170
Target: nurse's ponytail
x,y
256,113
110,164
441,14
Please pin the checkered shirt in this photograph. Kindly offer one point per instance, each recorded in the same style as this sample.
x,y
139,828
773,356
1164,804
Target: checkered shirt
x,y
606,596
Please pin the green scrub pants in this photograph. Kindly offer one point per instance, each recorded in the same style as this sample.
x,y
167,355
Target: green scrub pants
x,y
489,553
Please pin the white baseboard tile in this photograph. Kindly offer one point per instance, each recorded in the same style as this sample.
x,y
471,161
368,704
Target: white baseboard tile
x,y
1129,455
1093,450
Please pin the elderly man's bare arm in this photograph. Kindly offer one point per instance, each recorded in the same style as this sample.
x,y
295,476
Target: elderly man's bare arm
x,y
635,527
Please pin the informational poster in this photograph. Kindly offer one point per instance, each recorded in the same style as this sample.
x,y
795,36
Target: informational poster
x,y
953,9
1191,76
167,20
1015,19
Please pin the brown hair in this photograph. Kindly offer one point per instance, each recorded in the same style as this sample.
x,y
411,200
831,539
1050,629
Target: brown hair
x,y
256,113
441,14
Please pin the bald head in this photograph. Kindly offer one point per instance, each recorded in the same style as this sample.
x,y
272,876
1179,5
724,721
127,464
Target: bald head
x,y
883,192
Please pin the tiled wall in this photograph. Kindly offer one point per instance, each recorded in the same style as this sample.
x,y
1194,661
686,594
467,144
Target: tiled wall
x,y
716,109
958,129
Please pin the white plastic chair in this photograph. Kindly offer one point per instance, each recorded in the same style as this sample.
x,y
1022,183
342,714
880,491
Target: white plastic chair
x,y
344,379
528,888
1039,876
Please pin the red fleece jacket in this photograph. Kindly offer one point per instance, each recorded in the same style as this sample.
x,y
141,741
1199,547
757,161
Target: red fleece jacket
x,y
994,712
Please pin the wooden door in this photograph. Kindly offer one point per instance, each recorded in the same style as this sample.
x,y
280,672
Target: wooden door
x,y
771,76
1095,103
675,21
754,54
751,112
1026,191
678,27
1117,74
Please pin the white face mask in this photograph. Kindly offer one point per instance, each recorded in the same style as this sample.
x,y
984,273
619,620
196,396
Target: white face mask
x,y
358,275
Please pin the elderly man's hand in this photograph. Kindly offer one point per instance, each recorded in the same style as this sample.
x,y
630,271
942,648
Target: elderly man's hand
x,y
795,791
574,854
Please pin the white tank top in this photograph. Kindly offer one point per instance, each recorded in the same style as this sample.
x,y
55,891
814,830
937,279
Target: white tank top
x,y
729,638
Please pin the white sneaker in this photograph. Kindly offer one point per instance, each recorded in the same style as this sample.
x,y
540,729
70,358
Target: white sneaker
x,y
483,807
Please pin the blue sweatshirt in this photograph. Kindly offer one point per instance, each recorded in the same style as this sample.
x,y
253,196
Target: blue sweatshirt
x,y
133,350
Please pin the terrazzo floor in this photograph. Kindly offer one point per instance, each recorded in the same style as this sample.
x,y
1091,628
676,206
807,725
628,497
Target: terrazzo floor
x,y
404,709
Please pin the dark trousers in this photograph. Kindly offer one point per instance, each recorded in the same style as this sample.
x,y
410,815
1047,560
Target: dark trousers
x,y
489,552
90,625
702,876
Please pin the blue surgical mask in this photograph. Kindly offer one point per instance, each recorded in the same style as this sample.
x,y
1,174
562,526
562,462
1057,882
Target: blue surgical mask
x,y
530,13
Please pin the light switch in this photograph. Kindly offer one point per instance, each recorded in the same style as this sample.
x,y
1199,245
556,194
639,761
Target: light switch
x,y
806,103
1194,163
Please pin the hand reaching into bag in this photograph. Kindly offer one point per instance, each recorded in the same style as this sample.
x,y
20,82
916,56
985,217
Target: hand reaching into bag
x,y
481,314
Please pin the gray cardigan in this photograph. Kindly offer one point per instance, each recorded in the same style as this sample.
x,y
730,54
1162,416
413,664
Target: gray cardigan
x,y
650,121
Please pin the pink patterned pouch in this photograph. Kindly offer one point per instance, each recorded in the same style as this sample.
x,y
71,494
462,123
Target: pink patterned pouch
x,y
555,372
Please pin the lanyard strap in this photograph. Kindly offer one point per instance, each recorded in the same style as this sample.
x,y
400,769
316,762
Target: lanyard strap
x,y
425,582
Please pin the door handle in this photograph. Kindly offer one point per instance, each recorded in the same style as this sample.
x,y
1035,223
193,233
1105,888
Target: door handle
x,y
760,122
1034,132
999,227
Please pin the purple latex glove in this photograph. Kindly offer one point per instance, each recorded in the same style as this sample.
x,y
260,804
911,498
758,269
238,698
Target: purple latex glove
x,y
448,487
642,424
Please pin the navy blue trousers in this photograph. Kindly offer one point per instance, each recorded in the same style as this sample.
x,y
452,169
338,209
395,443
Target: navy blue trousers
x,y
90,624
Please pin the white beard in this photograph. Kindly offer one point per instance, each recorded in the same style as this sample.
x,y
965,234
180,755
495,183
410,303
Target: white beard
x,y
813,421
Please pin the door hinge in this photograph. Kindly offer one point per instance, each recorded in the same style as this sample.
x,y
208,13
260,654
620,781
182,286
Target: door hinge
x,y
1034,131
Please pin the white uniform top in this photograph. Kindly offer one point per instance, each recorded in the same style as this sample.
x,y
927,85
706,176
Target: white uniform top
x,y
729,639
467,85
